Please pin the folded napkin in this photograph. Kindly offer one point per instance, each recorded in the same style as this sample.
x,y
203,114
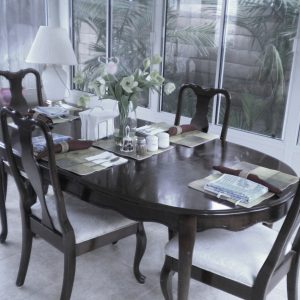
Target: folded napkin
x,y
40,117
175,130
97,123
249,176
65,146
39,142
107,159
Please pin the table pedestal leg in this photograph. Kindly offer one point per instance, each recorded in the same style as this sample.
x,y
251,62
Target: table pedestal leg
x,y
3,187
186,234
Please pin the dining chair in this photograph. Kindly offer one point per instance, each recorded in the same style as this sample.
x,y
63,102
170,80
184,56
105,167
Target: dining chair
x,y
248,263
200,117
15,80
17,101
71,225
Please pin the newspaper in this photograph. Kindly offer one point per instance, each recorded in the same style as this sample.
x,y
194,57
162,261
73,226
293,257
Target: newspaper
x,y
237,188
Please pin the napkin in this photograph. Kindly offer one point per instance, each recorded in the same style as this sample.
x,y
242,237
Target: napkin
x,y
73,146
250,176
97,123
107,159
40,117
39,142
175,130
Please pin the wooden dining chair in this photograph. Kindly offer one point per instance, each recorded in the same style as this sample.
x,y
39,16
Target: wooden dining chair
x,y
15,79
200,117
247,263
18,102
69,224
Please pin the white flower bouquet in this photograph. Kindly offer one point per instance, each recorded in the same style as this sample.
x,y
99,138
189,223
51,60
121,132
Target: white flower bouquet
x,y
126,88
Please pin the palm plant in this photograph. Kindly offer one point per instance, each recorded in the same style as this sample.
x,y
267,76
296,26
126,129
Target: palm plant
x,y
272,24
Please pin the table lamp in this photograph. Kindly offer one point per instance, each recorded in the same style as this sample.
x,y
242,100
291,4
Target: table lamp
x,y
52,47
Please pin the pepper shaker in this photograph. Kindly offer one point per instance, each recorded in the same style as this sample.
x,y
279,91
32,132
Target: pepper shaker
x,y
141,146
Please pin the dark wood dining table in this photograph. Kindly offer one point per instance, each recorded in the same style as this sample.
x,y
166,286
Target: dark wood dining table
x,y
156,190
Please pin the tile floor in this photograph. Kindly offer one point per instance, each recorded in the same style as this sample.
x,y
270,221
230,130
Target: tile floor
x,y
103,274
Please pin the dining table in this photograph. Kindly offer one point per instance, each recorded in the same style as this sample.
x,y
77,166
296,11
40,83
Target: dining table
x,y
156,190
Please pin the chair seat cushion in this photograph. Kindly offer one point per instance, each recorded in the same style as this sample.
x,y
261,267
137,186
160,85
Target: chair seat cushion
x,y
87,220
234,255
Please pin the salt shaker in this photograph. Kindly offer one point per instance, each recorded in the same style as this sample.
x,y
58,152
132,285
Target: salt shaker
x,y
152,143
127,145
163,140
141,146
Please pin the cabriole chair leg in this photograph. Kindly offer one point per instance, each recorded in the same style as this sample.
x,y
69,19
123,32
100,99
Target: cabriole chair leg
x,y
141,242
69,272
3,189
25,256
166,275
292,280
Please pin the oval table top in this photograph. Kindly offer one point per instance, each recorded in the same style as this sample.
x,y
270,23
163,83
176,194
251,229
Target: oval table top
x,y
160,183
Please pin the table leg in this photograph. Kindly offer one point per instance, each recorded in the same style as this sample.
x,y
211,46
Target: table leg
x,y
3,187
186,233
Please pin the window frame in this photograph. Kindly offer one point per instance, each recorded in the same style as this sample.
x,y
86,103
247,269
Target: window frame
x,y
285,148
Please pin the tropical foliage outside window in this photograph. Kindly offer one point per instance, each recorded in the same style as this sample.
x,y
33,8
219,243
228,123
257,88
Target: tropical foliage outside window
x,y
244,46
255,63
129,35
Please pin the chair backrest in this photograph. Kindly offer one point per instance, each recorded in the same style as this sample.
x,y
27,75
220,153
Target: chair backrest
x,y
200,118
31,167
15,79
278,257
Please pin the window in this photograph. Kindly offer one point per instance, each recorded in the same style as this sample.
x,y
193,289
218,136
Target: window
x,y
19,22
254,64
244,46
114,28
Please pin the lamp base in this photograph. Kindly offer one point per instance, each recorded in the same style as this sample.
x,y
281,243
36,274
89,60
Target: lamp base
x,y
54,82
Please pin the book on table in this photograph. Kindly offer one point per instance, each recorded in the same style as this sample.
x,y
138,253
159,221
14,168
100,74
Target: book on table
x,y
238,189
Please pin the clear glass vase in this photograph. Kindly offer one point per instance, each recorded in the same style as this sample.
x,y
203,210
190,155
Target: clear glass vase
x,y
124,117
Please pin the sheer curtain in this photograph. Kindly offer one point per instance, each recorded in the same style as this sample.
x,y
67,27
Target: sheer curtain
x,y
19,22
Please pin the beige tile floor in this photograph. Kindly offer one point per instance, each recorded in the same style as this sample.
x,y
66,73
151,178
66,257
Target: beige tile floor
x,y
103,274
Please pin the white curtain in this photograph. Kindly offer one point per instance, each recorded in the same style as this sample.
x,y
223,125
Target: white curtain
x,y
19,22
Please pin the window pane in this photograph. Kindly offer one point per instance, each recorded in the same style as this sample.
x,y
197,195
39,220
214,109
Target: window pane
x,y
258,62
19,23
89,31
190,47
132,23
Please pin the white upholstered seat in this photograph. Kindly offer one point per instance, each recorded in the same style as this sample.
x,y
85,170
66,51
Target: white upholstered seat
x,y
88,221
234,255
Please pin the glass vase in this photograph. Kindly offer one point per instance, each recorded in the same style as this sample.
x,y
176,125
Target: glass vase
x,y
124,117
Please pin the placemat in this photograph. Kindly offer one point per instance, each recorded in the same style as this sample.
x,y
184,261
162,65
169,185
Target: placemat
x,y
274,177
193,138
111,146
153,129
76,162
60,120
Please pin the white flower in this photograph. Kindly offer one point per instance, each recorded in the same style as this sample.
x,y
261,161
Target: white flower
x,y
111,68
128,83
146,63
169,88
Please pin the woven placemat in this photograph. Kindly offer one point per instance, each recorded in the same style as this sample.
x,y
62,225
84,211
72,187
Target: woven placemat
x,y
110,145
274,177
193,138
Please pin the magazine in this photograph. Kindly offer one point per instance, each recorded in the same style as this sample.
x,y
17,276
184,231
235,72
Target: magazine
x,y
239,189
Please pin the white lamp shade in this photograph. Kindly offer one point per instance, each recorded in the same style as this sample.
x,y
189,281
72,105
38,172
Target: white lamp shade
x,y
51,46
